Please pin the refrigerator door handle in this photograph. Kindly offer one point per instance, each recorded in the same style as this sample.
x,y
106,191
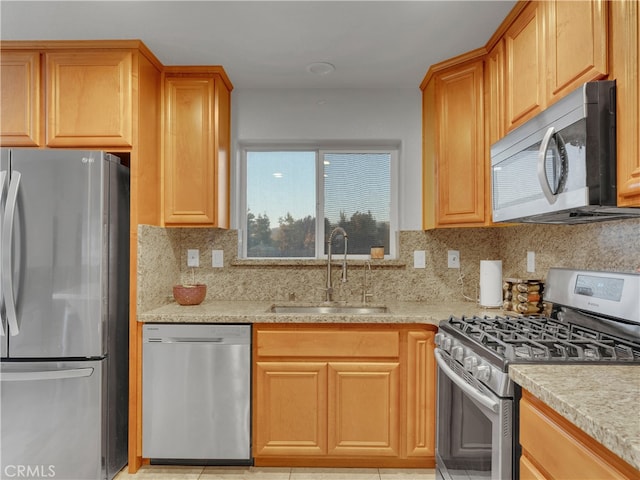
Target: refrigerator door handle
x,y
45,375
7,239
3,178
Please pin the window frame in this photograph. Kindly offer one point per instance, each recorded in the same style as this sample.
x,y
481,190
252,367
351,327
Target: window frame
x,y
320,150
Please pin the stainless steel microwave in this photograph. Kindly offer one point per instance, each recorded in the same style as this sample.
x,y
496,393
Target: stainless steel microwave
x,y
560,166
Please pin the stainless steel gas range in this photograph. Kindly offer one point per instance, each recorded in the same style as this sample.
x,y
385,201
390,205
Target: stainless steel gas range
x,y
595,319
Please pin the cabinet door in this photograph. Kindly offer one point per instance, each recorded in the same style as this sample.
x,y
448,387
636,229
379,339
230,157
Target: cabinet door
x,y
429,155
20,119
525,74
363,409
528,471
222,150
189,164
494,92
625,43
562,449
421,394
292,401
89,98
460,164
577,45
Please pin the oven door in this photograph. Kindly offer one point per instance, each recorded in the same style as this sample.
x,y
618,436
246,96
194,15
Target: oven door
x,y
474,426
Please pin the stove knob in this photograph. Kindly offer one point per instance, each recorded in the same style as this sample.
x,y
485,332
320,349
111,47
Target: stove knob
x,y
457,352
438,339
482,373
470,363
446,344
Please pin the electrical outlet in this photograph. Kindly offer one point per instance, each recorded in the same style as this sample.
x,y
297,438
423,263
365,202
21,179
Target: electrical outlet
x,y
531,261
419,259
217,258
453,259
193,257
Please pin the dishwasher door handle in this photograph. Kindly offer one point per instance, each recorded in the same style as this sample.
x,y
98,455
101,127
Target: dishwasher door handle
x,y
185,340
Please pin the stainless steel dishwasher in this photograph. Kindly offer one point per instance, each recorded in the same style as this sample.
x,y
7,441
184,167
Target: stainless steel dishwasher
x,y
196,394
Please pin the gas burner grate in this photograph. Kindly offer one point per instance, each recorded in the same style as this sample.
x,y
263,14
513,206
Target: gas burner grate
x,y
542,338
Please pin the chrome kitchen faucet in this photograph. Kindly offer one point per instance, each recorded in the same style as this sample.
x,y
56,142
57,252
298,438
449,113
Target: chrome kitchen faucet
x,y
329,289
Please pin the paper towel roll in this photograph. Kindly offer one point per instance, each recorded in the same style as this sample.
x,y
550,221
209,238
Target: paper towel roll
x,y
491,283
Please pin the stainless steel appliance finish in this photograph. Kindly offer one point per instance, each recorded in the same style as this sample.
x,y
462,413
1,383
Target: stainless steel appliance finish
x,y
474,438
560,166
64,254
595,319
196,393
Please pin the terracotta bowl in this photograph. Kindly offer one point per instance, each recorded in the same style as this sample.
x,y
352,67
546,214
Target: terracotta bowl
x,y
190,294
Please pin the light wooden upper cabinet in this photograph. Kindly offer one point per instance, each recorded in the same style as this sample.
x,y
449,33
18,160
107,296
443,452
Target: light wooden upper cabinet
x,y
89,98
494,94
551,49
542,51
625,53
20,107
458,156
576,45
196,141
525,70
553,445
70,94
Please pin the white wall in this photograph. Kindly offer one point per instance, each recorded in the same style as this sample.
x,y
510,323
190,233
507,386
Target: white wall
x,y
317,115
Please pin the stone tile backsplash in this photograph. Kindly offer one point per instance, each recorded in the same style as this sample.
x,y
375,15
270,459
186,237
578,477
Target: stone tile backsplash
x,y
162,263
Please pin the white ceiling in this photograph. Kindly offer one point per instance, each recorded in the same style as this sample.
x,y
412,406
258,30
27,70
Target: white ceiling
x,y
267,44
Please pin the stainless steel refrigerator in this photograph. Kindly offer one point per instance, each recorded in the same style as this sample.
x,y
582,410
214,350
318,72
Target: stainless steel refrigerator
x,y
64,302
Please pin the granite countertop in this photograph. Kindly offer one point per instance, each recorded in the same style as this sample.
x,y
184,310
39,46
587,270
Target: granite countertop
x,y
258,312
602,400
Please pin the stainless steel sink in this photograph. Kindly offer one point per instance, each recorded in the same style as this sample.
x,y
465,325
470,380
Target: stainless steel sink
x,y
329,309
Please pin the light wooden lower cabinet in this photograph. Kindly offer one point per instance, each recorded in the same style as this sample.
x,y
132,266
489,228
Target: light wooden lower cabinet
x,y
343,395
363,407
554,448
292,408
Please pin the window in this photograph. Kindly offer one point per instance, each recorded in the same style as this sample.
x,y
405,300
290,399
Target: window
x,y
286,192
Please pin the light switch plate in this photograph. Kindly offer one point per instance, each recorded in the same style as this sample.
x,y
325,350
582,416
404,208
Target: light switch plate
x,y
217,258
193,257
419,259
453,259
531,261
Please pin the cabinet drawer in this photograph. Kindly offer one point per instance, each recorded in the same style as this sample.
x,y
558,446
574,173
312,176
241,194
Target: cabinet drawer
x,y
563,455
320,343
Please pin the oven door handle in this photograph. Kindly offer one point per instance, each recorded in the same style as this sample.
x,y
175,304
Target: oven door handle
x,y
464,386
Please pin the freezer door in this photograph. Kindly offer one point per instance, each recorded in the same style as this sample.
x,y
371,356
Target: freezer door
x,y
54,258
51,421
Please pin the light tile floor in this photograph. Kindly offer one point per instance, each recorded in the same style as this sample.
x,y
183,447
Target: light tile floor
x,y
157,472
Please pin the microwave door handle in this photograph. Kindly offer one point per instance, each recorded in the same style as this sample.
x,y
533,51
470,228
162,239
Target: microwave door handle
x,y
7,263
542,173
464,386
